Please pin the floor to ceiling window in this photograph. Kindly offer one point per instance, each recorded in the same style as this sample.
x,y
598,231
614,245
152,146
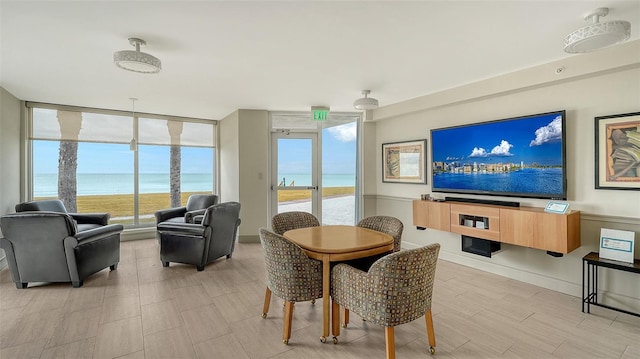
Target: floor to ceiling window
x,y
126,164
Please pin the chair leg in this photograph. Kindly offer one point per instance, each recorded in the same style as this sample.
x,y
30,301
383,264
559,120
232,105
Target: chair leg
x,y
199,268
267,300
390,340
165,264
77,284
113,266
288,319
345,315
21,285
430,333
335,320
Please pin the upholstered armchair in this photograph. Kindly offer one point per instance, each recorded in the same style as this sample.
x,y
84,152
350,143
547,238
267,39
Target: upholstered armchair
x,y
200,244
48,247
291,276
197,204
83,220
397,289
385,224
286,221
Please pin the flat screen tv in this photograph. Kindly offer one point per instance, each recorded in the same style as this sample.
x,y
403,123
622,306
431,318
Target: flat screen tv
x,y
513,157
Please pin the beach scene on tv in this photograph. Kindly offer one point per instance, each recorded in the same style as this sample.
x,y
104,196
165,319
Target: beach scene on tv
x,y
516,157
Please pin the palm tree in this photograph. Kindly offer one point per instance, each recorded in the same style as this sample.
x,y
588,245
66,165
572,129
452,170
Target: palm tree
x,y
70,124
175,130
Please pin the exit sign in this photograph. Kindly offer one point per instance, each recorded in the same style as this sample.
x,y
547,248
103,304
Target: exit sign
x,y
320,113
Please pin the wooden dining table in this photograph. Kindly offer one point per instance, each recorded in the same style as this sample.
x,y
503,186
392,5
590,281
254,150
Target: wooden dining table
x,y
337,243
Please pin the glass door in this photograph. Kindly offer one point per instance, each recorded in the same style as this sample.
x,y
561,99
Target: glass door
x,y
295,181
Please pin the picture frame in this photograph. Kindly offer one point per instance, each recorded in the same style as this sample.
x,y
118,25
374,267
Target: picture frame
x,y
617,152
405,162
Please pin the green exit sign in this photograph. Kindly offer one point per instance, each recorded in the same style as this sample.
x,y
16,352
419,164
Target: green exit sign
x,y
320,113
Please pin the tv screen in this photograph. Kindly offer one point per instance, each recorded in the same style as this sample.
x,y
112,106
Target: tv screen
x,y
514,157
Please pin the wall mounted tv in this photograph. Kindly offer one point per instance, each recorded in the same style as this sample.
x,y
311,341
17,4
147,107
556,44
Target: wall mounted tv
x,y
513,157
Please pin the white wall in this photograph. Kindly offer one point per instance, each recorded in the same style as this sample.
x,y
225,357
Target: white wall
x,y
9,155
244,167
229,152
597,84
254,172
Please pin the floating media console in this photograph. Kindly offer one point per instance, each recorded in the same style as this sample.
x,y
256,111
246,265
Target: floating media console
x,y
523,226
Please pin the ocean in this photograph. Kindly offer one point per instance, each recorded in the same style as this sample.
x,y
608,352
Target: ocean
x,y
46,185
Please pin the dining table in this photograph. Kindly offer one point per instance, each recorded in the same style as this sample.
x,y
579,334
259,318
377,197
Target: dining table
x,y
335,243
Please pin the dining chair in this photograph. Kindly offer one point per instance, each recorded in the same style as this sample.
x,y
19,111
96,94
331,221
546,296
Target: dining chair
x,y
385,224
287,221
397,289
291,276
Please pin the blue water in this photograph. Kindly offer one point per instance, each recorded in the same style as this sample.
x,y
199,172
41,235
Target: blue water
x,y
529,180
46,185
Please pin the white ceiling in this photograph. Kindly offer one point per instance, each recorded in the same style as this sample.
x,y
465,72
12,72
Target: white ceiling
x,y
221,56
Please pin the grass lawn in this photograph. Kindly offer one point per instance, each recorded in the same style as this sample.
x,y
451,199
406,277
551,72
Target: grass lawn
x,y
121,205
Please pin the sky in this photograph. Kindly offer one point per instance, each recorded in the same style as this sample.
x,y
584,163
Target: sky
x,y
338,152
531,139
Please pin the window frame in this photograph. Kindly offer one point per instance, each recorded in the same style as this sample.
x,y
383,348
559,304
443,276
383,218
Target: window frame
x,y
28,160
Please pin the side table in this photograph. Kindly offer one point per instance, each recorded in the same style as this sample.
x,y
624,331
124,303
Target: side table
x,y
590,264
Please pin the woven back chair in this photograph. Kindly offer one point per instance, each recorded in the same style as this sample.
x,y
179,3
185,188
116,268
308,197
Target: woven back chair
x,y
291,276
385,224
396,290
286,221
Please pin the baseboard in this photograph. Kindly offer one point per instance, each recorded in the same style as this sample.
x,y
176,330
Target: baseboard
x,y
249,239
554,284
135,234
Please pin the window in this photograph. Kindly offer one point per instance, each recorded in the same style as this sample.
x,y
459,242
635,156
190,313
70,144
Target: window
x,y
110,161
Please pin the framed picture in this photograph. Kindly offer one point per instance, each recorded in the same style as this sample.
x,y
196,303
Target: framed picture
x,y
404,162
618,152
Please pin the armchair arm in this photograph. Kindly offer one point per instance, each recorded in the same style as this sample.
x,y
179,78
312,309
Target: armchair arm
x,y
189,216
344,275
91,218
181,228
95,234
164,214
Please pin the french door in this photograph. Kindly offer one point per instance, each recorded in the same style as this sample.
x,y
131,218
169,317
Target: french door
x,y
295,178
314,166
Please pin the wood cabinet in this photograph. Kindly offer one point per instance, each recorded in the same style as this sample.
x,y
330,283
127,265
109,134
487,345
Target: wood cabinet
x,y
524,226
428,214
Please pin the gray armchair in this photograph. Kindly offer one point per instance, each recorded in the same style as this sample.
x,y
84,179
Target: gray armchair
x,y
48,247
83,220
200,244
191,213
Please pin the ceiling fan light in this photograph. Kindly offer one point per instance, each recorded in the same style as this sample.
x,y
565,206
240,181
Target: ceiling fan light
x,y
597,35
136,60
365,103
